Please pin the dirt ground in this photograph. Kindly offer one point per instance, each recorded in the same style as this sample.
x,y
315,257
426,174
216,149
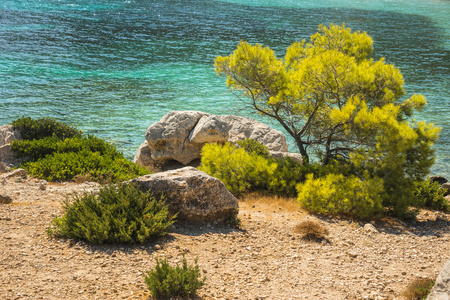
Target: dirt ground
x,y
264,259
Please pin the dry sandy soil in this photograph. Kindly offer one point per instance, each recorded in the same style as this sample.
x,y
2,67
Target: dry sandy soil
x,y
265,259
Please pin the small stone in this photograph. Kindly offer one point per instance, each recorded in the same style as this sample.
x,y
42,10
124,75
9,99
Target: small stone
x,y
370,228
157,247
5,199
352,254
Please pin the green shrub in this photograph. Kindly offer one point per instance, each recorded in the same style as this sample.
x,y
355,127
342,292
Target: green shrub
x,y
121,214
61,155
254,147
165,281
339,194
250,167
42,128
430,194
235,167
288,174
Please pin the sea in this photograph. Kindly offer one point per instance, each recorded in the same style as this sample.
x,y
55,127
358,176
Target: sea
x,y
112,68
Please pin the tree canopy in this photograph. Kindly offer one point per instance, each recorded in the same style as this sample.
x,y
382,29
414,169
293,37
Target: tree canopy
x,y
336,102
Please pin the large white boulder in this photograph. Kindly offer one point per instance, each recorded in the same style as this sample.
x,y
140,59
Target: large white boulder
x,y
194,195
180,135
441,289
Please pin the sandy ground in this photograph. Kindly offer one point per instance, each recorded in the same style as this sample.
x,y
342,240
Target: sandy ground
x,y
264,259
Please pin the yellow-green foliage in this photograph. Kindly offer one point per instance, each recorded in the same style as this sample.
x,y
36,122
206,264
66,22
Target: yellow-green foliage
x,y
332,98
338,194
235,167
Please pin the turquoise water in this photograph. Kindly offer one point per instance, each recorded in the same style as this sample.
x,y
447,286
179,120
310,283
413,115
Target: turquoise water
x,y
115,67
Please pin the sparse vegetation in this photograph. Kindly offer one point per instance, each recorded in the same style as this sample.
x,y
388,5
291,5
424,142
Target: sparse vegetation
x,y
418,289
165,281
55,151
430,194
312,230
121,214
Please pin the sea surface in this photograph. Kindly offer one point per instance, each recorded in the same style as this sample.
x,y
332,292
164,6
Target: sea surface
x,y
115,67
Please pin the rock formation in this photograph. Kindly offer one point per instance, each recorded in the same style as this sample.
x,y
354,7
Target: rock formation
x,y
194,195
7,158
180,135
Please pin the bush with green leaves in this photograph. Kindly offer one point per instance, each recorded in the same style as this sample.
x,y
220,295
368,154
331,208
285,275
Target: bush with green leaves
x,y
60,152
31,129
254,147
430,194
235,167
337,194
165,281
117,214
250,167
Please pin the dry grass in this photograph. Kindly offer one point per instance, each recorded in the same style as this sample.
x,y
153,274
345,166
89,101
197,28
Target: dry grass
x,y
269,203
312,230
418,289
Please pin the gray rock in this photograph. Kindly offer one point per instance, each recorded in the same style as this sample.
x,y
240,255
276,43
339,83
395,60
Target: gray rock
x,y
8,134
143,157
7,157
370,228
21,173
441,289
297,157
194,195
180,135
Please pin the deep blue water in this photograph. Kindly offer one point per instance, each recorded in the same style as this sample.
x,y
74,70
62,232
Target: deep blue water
x,y
115,67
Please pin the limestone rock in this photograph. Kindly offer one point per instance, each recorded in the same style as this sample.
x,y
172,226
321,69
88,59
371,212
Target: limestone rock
x,y
180,135
143,156
297,157
370,228
7,157
15,173
441,289
194,195
8,134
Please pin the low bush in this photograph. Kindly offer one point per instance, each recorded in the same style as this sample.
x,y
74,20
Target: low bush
x,y
338,194
235,167
165,281
418,289
121,214
61,152
312,230
430,194
31,129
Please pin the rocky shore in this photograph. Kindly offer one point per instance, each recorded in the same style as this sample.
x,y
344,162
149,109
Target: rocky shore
x,y
264,259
